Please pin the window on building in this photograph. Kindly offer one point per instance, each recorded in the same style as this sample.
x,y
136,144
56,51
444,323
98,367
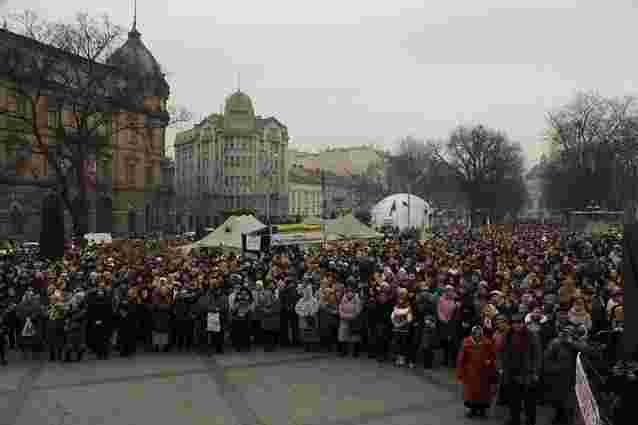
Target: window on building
x,y
149,176
23,106
54,119
130,173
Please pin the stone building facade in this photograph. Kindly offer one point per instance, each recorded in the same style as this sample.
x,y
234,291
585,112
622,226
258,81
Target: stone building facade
x,y
231,161
306,196
133,190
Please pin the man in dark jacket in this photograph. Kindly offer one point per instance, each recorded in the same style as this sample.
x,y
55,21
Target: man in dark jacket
x,y
100,320
3,336
289,319
522,359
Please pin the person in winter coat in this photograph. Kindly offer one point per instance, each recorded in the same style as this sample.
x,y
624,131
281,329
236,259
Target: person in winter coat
x,y
502,326
446,312
328,318
31,318
289,296
128,325
183,320
212,309
521,361
75,327
559,374
425,305
429,340
241,320
144,319
476,370
468,317
162,317
100,320
55,326
349,327
258,293
383,319
307,308
269,309
402,318
3,337
578,314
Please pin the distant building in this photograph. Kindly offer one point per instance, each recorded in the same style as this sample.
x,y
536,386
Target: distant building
x,y
342,161
306,196
534,208
231,161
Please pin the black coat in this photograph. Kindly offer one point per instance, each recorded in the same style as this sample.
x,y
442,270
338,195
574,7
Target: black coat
x,y
162,318
100,309
528,365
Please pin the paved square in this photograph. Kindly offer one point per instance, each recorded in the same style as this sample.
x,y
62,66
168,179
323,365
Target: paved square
x,y
285,387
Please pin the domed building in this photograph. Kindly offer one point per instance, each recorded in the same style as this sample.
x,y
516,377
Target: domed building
x,y
403,211
131,189
142,188
234,160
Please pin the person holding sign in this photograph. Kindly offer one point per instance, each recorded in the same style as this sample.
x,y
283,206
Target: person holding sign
x,y
213,310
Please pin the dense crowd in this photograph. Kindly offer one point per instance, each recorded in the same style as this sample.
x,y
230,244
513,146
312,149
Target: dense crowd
x,y
508,308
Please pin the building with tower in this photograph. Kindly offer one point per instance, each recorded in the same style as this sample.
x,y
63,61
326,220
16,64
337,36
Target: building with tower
x,y
231,161
132,187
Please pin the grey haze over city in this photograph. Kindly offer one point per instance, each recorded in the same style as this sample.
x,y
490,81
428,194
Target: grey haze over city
x,y
343,73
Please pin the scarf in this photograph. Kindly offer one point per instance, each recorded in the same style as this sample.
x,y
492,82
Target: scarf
x,y
446,308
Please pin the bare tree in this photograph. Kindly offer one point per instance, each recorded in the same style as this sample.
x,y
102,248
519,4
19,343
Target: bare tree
x,y
596,140
69,102
487,166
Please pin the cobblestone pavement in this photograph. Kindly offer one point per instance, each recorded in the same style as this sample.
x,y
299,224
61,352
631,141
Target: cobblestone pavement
x,y
285,387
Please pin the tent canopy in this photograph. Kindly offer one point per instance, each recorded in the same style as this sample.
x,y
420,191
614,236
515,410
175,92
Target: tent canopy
x,y
348,227
228,235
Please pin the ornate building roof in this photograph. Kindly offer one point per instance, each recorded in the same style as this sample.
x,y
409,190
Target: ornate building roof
x,y
239,114
137,59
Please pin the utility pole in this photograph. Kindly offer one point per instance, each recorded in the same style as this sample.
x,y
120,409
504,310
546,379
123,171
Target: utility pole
x,y
324,204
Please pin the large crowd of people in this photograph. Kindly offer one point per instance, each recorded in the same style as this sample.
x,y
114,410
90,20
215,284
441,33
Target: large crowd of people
x,y
508,307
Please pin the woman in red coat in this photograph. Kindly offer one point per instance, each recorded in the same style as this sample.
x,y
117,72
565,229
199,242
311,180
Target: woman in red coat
x,y
476,370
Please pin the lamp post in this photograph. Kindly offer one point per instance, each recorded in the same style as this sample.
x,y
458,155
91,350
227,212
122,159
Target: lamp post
x,y
265,173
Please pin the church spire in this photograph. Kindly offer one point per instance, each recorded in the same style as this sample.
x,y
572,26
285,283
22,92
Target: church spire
x,y
134,33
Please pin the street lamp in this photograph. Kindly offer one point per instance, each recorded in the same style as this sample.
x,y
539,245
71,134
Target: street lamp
x,y
265,173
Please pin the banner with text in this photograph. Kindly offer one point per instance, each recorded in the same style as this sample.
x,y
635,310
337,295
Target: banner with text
x,y
588,407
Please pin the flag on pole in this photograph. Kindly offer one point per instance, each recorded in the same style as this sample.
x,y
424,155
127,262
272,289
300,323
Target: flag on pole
x,y
393,208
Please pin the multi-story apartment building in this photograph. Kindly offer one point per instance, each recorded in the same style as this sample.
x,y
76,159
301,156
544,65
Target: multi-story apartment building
x,y
306,195
340,161
231,161
133,183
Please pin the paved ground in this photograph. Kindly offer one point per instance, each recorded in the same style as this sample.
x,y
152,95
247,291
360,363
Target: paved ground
x,y
286,387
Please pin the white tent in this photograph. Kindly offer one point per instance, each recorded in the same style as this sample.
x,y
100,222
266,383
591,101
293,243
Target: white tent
x,y
228,235
394,210
348,227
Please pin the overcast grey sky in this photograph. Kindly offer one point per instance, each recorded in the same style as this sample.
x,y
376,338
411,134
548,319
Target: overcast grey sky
x,y
368,71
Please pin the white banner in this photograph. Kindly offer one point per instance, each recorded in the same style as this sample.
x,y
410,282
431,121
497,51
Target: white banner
x,y
253,243
98,238
586,401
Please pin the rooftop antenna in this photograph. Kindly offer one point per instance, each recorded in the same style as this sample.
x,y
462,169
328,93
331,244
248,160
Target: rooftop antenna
x,y
239,81
134,15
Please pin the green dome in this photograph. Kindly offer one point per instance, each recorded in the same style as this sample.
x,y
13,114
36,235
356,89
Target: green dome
x,y
239,114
